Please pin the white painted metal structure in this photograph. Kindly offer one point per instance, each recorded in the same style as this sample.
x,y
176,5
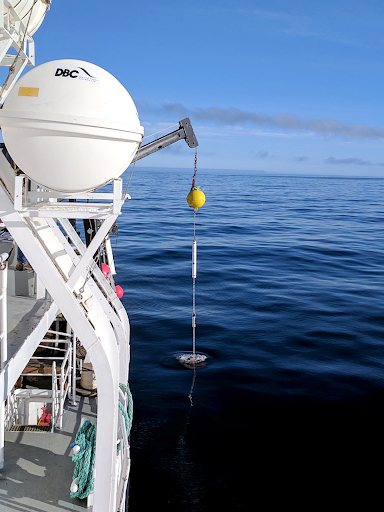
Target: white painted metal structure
x,y
63,384
3,341
39,221
19,20
87,301
26,12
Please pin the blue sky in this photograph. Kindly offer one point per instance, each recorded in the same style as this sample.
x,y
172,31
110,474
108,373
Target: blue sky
x,y
284,87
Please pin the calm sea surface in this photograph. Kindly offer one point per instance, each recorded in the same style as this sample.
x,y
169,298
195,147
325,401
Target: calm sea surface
x,y
290,312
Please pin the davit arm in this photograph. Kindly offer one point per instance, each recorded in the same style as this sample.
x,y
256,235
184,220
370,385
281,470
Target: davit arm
x,y
185,131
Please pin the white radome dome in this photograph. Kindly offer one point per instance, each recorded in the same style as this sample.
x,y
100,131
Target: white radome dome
x,y
70,126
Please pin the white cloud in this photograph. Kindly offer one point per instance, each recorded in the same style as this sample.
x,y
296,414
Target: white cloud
x,y
287,122
349,161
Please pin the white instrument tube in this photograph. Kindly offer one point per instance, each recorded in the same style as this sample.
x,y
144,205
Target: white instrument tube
x,y
194,258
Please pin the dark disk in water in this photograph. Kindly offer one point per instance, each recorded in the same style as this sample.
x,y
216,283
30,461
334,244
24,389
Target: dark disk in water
x,y
191,360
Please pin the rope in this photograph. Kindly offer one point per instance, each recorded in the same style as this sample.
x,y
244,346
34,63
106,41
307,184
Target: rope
x,y
128,414
116,239
85,459
137,154
194,296
193,278
163,130
86,440
190,396
91,266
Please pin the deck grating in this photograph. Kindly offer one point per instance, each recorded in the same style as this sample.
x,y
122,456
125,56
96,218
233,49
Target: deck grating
x,y
30,428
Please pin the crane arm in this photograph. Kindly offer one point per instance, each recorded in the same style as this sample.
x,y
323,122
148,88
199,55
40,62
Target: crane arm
x,y
184,132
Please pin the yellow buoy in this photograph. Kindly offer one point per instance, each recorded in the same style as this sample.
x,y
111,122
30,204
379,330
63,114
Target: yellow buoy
x,y
195,198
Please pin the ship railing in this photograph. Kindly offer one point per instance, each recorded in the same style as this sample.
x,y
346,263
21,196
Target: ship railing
x,y
123,459
11,412
32,200
19,413
63,375
3,341
63,382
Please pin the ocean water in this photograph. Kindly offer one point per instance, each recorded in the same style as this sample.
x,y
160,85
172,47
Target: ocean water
x,y
289,409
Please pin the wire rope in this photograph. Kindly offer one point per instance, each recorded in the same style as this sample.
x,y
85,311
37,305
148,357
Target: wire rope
x,y
160,131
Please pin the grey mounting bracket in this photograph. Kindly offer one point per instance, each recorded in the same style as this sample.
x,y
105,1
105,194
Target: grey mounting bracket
x,y
185,132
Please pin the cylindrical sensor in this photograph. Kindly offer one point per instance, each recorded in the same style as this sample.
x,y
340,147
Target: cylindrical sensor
x,y
194,258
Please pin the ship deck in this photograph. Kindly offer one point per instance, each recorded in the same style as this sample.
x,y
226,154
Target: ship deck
x,y
38,466
23,315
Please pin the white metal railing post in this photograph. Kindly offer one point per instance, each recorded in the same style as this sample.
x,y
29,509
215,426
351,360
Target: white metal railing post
x,y
61,403
72,362
3,340
117,195
54,386
74,369
3,308
19,183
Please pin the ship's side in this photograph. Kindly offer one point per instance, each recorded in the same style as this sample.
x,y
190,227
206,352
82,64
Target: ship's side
x,y
64,332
